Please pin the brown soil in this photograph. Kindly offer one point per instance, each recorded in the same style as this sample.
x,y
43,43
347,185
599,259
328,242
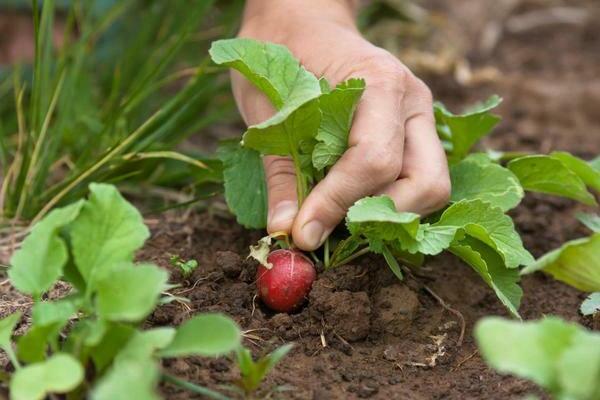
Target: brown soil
x,y
363,334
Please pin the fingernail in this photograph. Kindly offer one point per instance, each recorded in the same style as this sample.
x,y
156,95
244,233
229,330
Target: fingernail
x,y
314,234
282,213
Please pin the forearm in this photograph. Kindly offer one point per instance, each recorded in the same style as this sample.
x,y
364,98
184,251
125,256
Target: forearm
x,y
279,12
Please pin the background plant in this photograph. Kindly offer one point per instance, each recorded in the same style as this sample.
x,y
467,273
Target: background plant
x,y
110,102
89,343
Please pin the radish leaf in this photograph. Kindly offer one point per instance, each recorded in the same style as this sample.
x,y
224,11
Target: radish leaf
x,y
577,263
61,373
40,261
245,183
337,108
108,230
462,131
118,380
591,304
546,174
585,171
592,221
489,182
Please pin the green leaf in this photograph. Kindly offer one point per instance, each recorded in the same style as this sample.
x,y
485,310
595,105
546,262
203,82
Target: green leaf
x,y
577,263
345,248
595,163
144,345
271,68
245,183
592,221
39,262
285,135
7,326
114,338
585,171
464,130
491,226
48,320
545,174
205,335
561,357
490,266
591,304
108,230
337,108
392,262
128,292
134,379
61,373
376,218
253,373
486,181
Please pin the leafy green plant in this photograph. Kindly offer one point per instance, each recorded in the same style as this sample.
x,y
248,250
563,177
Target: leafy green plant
x,y
186,267
96,327
254,372
591,305
311,126
95,109
561,357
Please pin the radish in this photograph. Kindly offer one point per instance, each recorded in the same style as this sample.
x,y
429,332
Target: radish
x,y
285,285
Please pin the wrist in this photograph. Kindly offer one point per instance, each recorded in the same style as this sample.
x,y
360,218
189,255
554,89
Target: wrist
x,y
274,19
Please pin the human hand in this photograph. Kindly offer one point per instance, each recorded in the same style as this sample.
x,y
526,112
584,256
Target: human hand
x,y
393,145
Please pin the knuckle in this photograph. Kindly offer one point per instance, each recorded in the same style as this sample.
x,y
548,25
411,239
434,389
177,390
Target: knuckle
x,y
423,91
280,172
386,71
437,192
382,164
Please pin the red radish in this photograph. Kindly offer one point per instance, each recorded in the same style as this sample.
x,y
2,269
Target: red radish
x,y
285,286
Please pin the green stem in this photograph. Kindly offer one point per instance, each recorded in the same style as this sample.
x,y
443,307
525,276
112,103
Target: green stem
x,y
10,352
194,388
346,260
326,259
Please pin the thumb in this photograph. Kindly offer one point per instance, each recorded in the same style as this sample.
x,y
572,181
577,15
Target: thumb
x,y
281,189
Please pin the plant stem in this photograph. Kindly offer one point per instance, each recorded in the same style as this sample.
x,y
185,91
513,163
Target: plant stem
x,y
194,388
326,253
10,352
346,260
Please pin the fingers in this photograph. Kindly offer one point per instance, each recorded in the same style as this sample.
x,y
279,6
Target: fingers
x,y
282,196
424,185
373,159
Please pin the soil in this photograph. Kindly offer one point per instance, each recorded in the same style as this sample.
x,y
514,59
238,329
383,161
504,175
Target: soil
x,y
363,333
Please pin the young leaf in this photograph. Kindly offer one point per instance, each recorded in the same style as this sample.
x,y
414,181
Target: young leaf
x,y
561,357
491,226
337,108
392,262
245,183
114,337
591,304
545,174
37,265
271,68
490,266
128,292
137,378
108,230
61,373
284,135
253,373
144,345
205,335
464,130
595,163
589,175
376,218
592,221
486,181
577,263
7,326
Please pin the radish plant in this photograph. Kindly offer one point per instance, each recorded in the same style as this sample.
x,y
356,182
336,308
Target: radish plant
x,y
311,126
89,344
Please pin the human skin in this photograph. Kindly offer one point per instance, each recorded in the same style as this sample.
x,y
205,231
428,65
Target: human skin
x,y
393,145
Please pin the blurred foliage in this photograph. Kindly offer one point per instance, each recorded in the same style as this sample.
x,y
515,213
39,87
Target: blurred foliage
x,y
112,100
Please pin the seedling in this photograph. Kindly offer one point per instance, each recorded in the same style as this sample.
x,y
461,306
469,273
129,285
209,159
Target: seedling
x,y
95,328
311,126
186,267
254,372
561,357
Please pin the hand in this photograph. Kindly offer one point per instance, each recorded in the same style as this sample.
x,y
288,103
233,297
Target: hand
x,y
393,145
